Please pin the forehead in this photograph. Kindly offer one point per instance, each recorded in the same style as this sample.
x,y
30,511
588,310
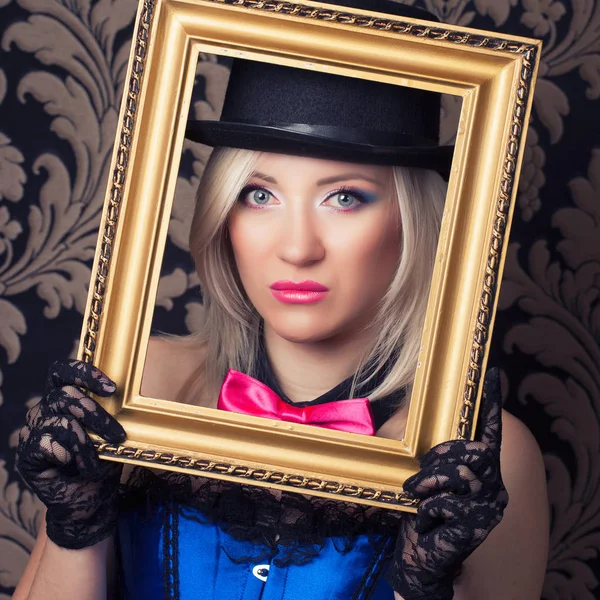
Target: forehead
x,y
288,166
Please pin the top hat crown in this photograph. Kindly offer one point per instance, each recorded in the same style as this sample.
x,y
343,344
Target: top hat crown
x,y
274,108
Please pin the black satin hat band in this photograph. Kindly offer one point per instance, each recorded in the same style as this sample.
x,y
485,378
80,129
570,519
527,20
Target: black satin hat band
x,y
330,143
387,140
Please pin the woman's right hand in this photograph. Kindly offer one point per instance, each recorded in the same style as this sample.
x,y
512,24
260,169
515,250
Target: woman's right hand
x,y
462,499
58,460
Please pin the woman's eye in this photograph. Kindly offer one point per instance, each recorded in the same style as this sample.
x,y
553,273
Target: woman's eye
x,y
344,200
260,197
257,197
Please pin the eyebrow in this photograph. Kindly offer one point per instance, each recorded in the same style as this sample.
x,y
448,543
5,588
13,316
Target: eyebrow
x,y
259,175
325,181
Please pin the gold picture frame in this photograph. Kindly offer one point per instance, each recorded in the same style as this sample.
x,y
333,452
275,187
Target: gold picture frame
x,y
493,74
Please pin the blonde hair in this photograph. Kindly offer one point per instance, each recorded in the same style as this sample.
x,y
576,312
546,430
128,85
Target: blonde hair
x,y
231,328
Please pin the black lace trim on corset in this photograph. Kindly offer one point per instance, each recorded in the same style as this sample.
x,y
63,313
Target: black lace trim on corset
x,y
288,528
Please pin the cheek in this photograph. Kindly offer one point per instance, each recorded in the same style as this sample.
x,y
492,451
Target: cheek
x,y
373,250
250,241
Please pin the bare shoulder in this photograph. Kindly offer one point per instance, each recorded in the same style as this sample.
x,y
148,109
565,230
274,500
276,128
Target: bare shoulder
x,y
521,457
511,562
170,362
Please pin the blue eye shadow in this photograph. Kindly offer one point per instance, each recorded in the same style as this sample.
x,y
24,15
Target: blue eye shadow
x,y
363,196
369,197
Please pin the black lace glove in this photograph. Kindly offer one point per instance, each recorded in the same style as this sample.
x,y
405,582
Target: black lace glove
x,y
463,499
57,459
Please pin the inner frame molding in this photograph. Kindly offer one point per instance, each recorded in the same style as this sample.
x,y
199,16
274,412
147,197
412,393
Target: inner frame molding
x,y
494,76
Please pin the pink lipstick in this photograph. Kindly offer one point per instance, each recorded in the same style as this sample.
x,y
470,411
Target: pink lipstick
x,y
304,292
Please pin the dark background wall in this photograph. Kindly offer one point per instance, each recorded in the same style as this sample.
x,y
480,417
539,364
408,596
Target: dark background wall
x,y
62,65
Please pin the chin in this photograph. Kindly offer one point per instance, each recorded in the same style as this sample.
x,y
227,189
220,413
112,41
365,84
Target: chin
x,y
304,329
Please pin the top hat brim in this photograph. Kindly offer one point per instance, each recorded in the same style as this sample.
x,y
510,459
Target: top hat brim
x,y
313,142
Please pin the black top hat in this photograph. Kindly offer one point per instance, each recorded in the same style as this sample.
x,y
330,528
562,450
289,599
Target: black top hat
x,y
272,108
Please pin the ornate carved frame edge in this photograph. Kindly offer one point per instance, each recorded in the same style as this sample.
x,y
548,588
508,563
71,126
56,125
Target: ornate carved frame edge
x,y
488,295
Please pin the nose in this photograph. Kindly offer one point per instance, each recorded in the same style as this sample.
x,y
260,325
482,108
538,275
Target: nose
x,y
300,242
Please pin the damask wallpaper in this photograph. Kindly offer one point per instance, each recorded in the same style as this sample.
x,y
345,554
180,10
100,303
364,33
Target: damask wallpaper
x,y
62,65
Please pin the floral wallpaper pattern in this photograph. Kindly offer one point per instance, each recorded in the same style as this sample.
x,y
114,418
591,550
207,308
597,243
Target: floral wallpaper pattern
x,y
62,66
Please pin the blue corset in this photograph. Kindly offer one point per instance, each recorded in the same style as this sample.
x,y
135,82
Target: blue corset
x,y
177,553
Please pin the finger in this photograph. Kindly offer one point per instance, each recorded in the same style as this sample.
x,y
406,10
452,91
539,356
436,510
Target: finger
x,y
457,479
442,510
500,502
489,428
74,437
80,374
451,452
38,453
477,456
35,414
60,442
465,521
71,401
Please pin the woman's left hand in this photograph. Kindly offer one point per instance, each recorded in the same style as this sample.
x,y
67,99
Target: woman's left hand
x,y
462,499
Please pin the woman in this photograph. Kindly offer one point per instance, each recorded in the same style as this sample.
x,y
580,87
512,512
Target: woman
x,y
314,239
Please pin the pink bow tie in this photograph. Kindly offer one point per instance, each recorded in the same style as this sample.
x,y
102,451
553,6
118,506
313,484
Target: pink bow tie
x,y
243,394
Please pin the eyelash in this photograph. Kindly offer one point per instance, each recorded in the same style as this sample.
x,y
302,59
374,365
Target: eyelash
x,y
252,188
360,195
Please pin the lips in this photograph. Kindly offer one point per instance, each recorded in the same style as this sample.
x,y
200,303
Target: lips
x,y
303,286
304,292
